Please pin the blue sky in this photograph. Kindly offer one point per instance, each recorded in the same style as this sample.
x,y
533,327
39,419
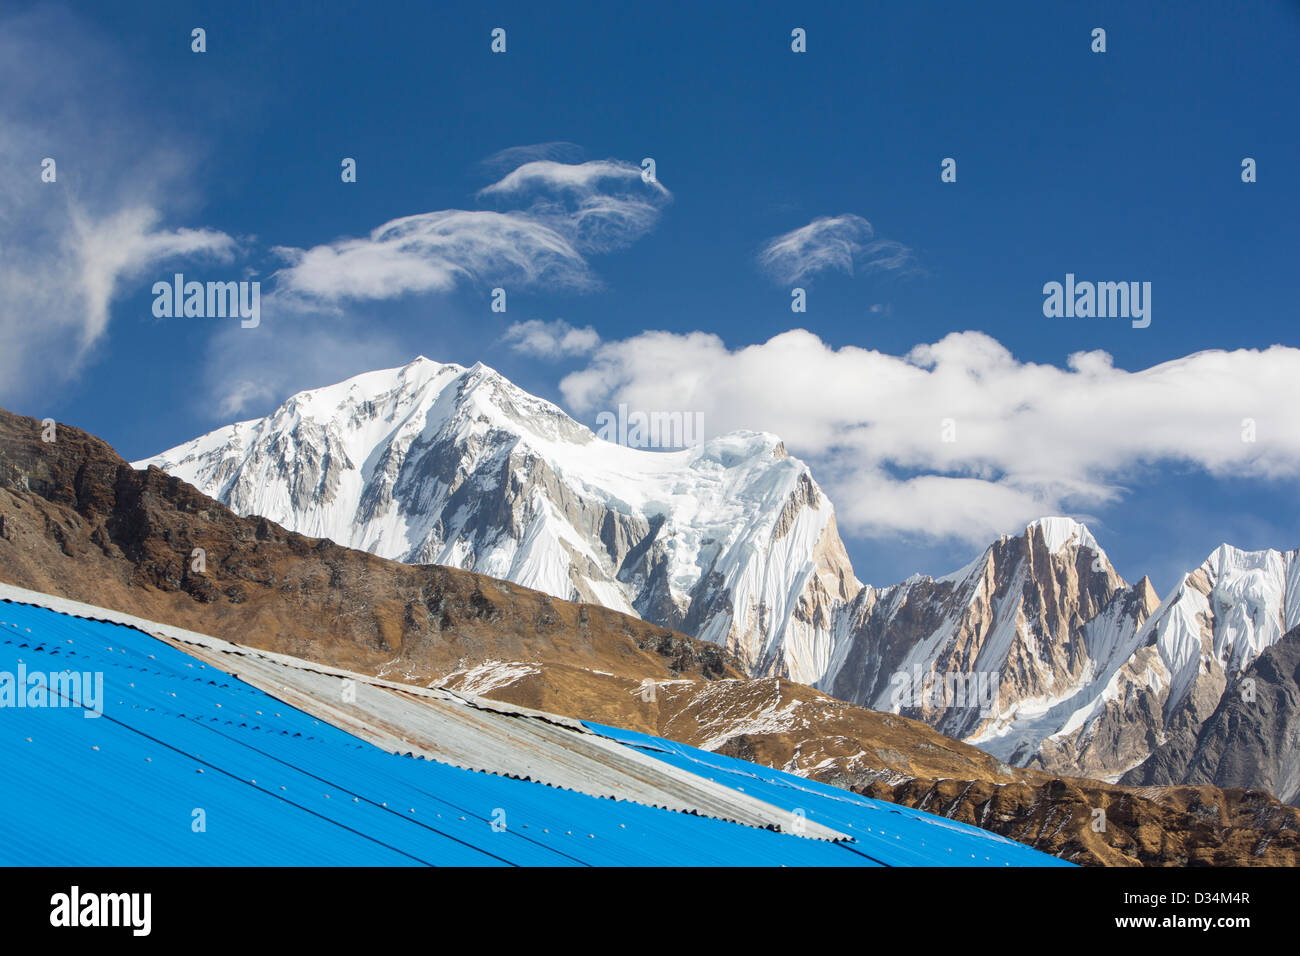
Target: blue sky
x,y
1117,166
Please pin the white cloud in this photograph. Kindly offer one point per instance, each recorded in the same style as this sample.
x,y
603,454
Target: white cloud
x,y
431,252
600,205
1030,439
844,243
581,179
551,340
70,246
561,214
514,156
122,246
56,288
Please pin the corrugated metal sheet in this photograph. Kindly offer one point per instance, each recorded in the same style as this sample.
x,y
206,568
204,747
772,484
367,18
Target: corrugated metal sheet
x,y
896,835
468,732
278,785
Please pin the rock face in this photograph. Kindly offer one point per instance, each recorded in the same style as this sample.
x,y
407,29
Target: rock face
x,y
1003,653
1251,739
77,521
1037,652
1041,654
1150,826
730,541
1193,653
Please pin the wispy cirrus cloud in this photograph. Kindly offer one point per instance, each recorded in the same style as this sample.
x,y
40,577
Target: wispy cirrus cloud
x,y
551,218
845,243
580,179
433,252
70,246
554,216
123,246
512,157
551,340
958,439
601,205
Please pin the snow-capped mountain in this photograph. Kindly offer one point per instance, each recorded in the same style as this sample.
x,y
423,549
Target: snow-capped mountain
x,y
731,541
1040,654
1037,651
1002,652
1193,648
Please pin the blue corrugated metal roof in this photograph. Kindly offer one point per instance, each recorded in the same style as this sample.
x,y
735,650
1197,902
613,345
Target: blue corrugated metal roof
x,y
277,786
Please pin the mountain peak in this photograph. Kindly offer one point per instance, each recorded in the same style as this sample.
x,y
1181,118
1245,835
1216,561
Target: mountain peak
x,y
1060,531
1227,556
1146,593
730,539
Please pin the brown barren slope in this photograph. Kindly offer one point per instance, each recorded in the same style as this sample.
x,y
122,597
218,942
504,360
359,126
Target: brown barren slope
x,y
81,523
77,521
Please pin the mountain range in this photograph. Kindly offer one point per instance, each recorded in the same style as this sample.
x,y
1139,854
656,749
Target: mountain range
x,y
1037,652
76,521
